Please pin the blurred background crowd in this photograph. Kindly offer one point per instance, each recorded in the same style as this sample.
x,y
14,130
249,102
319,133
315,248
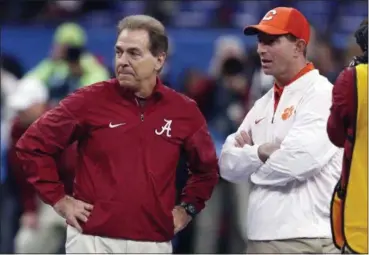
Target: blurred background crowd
x,y
50,48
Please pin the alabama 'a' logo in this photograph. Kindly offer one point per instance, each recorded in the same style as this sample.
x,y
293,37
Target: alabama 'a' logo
x,y
166,128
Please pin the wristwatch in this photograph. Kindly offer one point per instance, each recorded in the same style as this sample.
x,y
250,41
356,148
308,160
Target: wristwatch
x,y
189,208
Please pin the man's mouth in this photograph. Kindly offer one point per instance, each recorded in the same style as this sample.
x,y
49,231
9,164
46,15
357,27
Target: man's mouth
x,y
125,73
266,61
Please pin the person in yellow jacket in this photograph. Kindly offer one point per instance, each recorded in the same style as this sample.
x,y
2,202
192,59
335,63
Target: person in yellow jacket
x,y
348,128
56,73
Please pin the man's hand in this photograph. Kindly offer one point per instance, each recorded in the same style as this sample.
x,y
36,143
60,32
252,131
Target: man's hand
x,y
266,149
29,220
181,218
242,139
73,210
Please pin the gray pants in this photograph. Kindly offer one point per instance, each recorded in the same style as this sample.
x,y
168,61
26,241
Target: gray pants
x,y
301,246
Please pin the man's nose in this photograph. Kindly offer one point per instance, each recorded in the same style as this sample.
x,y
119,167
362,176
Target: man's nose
x,y
122,59
261,48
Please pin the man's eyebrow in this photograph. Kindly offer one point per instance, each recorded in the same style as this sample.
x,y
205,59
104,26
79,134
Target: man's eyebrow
x,y
133,49
117,47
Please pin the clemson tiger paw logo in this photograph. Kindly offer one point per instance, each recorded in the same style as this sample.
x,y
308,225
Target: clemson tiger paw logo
x,y
287,113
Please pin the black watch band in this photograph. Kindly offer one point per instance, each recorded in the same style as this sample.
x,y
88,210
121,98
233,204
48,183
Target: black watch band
x,y
189,208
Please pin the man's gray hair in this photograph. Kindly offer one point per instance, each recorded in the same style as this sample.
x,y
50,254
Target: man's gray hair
x,y
157,35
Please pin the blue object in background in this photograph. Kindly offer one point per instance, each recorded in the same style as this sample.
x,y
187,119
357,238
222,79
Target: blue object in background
x,y
193,48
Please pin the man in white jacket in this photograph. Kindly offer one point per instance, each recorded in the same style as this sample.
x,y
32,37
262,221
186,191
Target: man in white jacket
x,y
282,146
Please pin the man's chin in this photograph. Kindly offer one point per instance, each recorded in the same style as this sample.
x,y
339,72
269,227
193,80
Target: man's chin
x,y
267,71
127,83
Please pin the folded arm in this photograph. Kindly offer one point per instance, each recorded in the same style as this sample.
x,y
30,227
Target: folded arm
x,y
305,149
238,163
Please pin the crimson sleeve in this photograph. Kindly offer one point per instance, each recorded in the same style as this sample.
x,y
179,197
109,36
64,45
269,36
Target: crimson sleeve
x,y
342,107
203,164
43,142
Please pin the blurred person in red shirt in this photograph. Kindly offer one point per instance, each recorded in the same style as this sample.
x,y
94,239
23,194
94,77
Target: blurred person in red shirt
x,y
41,228
130,132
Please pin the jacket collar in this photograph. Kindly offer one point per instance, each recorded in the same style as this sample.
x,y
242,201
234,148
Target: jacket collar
x,y
299,80
159,92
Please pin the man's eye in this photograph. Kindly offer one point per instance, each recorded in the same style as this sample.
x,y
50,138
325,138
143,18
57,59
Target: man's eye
x,y
268,41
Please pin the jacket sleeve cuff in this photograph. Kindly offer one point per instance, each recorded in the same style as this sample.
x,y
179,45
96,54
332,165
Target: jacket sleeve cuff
x,y
198,206
54,196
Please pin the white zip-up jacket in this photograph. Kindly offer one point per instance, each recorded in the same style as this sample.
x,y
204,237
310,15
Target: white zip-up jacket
x,y
291,192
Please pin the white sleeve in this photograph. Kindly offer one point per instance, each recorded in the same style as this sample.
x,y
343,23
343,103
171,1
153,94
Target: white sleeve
x,y
237,164
305,149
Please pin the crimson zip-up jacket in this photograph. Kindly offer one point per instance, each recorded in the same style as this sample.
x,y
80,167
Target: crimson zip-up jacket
x,y
126,158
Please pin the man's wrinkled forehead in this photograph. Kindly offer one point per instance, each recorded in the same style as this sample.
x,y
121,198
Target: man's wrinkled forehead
x,y
133,39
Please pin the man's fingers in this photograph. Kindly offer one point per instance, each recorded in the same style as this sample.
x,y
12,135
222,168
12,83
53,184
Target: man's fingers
x,y
88,206
74,223
86,213
82,217
85,205
175,226
239,141
245,137
277,145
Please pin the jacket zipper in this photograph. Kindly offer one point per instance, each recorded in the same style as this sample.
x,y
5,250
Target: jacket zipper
x,y
275,110
142,116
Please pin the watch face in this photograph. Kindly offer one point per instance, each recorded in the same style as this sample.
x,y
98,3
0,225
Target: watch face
x,y
191,209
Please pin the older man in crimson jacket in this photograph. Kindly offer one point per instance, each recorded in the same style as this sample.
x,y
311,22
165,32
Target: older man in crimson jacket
x,y
130,132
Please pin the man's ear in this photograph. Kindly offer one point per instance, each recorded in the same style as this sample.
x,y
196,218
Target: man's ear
x,y
160,60
300,46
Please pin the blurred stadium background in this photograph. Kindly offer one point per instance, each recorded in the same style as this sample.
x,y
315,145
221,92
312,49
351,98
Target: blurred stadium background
x,y
210,60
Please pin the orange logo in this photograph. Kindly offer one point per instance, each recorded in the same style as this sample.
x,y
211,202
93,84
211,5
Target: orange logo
x,y
287,113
